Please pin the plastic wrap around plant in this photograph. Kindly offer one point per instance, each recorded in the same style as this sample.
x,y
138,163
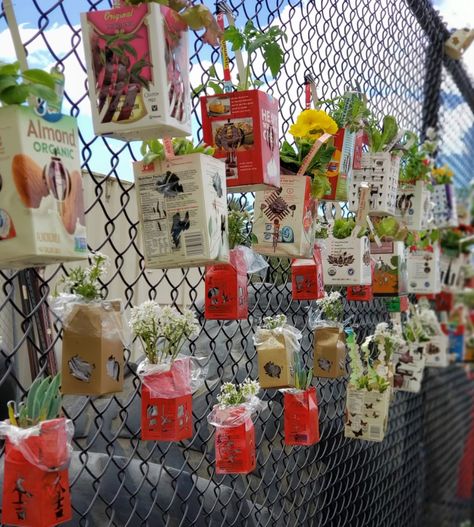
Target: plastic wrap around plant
x,y
166,380
46,445
235,415
265,337
255,263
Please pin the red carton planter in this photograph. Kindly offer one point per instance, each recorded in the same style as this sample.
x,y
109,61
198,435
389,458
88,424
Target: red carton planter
x,y
444,301
235,448
31,495
226,293
361,293
167,404
301,417
307,277
243,127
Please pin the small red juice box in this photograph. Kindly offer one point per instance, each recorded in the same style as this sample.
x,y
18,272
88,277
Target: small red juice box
x,y
301,417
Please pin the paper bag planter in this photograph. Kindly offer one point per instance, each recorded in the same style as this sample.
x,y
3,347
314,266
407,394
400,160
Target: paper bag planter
x,y
339,171
36,484
444,206
284,219
92,352
409,364
41,199
182,207
243,127
301,417
307,282
436,352
366,414
276,360
347,261
138,72
413,205
329,352
167,402
226,290
390,276
424,274
381,171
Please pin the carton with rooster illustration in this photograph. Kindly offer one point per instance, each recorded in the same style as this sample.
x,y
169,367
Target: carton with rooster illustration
x,y
366,414
284,219
138,72
424,273
390,275
413,206
182,206
276,367
41,197
347,261
243,128
409,364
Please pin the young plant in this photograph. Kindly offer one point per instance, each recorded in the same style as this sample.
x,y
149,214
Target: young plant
x,y
232,395
252,40
321,231
153,149
162,330
417,163
348,111
277,321
238,224
442,175
388,229
43,402
343,228
332,307
303,376
413,329
17,86
381,138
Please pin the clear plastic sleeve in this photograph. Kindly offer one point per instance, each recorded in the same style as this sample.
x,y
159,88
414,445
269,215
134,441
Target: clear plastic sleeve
x,y
46,445
236,415
292,336
255,263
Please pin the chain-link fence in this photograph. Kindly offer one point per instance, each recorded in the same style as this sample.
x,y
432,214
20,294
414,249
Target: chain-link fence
x,y
392,50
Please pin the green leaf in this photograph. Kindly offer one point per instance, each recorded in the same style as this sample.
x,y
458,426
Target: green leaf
x,y
7,81
130,49
273,55
11,413
212,71
10,69
15,94
216,87
38,399
36,76
32,395
235,37
55,408
389,130
43,92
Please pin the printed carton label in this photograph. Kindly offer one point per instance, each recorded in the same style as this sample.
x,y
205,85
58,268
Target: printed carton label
x,y
367,414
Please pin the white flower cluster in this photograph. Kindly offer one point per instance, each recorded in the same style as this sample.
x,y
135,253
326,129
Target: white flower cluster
x,y
278,321
332,307
232,394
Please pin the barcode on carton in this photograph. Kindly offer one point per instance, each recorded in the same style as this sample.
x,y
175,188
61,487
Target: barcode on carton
x,y
193,244
375,432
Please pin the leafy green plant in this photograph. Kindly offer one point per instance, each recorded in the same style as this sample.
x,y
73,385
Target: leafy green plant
x,y
381,138
349,110
238,224
417,163
343,228
17,86
331,306
232,394
252,40
303,376
153,149
43,402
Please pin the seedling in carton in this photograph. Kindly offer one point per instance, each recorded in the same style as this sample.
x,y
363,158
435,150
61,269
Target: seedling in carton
x,y
154,149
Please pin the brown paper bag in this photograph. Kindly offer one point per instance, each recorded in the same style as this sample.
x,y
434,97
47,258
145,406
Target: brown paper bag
x,y
92,359
329,352
275,363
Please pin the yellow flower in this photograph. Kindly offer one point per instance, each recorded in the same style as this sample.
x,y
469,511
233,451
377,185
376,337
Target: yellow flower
x,y
296,130
316,121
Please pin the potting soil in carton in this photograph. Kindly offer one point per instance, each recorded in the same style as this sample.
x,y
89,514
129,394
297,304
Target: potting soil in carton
x,y
329,351
301,417
41,199
390,276
182,205
138,71
413,205
243,127
424,274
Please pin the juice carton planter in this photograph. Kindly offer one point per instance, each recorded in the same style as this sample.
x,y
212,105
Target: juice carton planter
x,y
424,274
436,352
182,207
444,301
413,205
457,340
301,417
226,290
31,495
347,261
366,414
41,200
167,404
329,352
138,71
92,354
243,127
444,208
452,271
275,362
381,171
409,367
390,276
339,170
307,282
284,219
362,293
235,443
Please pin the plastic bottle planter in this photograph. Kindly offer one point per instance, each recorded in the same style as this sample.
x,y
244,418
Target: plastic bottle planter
x,y
138,71
339,170
167,403
301,417
444,301
424,275
182,207
226,293
390,276
275,362
457,341
329,352
243,127
444,206
41,198
362,293
436,352
36,487
307,282
413,205
409,367
284,219
366,414
381,171
235,442
92,354
347,261
452,271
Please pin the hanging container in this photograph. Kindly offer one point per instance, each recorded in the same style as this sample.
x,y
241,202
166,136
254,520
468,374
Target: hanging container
x,y
301,417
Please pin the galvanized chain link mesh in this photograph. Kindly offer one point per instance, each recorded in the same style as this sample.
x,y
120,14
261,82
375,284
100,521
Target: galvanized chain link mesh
x,y
392,51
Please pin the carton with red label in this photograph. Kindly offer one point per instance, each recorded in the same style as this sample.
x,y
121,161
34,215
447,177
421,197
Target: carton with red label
x,y
307,281
301,417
